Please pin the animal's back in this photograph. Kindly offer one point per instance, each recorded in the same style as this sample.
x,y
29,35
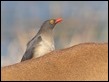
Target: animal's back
x,y
80,62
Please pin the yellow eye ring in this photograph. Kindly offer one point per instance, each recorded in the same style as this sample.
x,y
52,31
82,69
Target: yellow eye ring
x,y
51,21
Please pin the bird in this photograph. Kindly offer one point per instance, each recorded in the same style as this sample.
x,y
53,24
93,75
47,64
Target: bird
x,y
42,42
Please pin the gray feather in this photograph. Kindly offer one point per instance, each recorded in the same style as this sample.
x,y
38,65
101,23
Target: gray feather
x,y
28,54
30,48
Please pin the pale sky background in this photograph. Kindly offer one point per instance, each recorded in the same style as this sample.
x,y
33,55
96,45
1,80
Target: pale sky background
x,y
85,21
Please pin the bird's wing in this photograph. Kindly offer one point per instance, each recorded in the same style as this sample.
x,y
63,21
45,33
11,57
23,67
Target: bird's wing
x,y
28,54
30,48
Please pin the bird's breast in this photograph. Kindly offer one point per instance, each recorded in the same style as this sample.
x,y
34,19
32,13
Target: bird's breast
x,y
43,48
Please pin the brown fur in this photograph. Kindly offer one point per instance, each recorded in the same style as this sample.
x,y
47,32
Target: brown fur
x,y
81,62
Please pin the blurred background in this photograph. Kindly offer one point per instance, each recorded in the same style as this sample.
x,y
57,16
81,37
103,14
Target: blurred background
x,y
85,21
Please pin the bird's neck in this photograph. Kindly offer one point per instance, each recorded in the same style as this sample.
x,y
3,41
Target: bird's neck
x,y
48,36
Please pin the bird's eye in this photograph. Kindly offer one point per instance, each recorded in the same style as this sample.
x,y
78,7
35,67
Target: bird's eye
x,y
51,21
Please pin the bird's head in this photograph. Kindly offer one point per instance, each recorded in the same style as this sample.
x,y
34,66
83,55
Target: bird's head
x,y
50,24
